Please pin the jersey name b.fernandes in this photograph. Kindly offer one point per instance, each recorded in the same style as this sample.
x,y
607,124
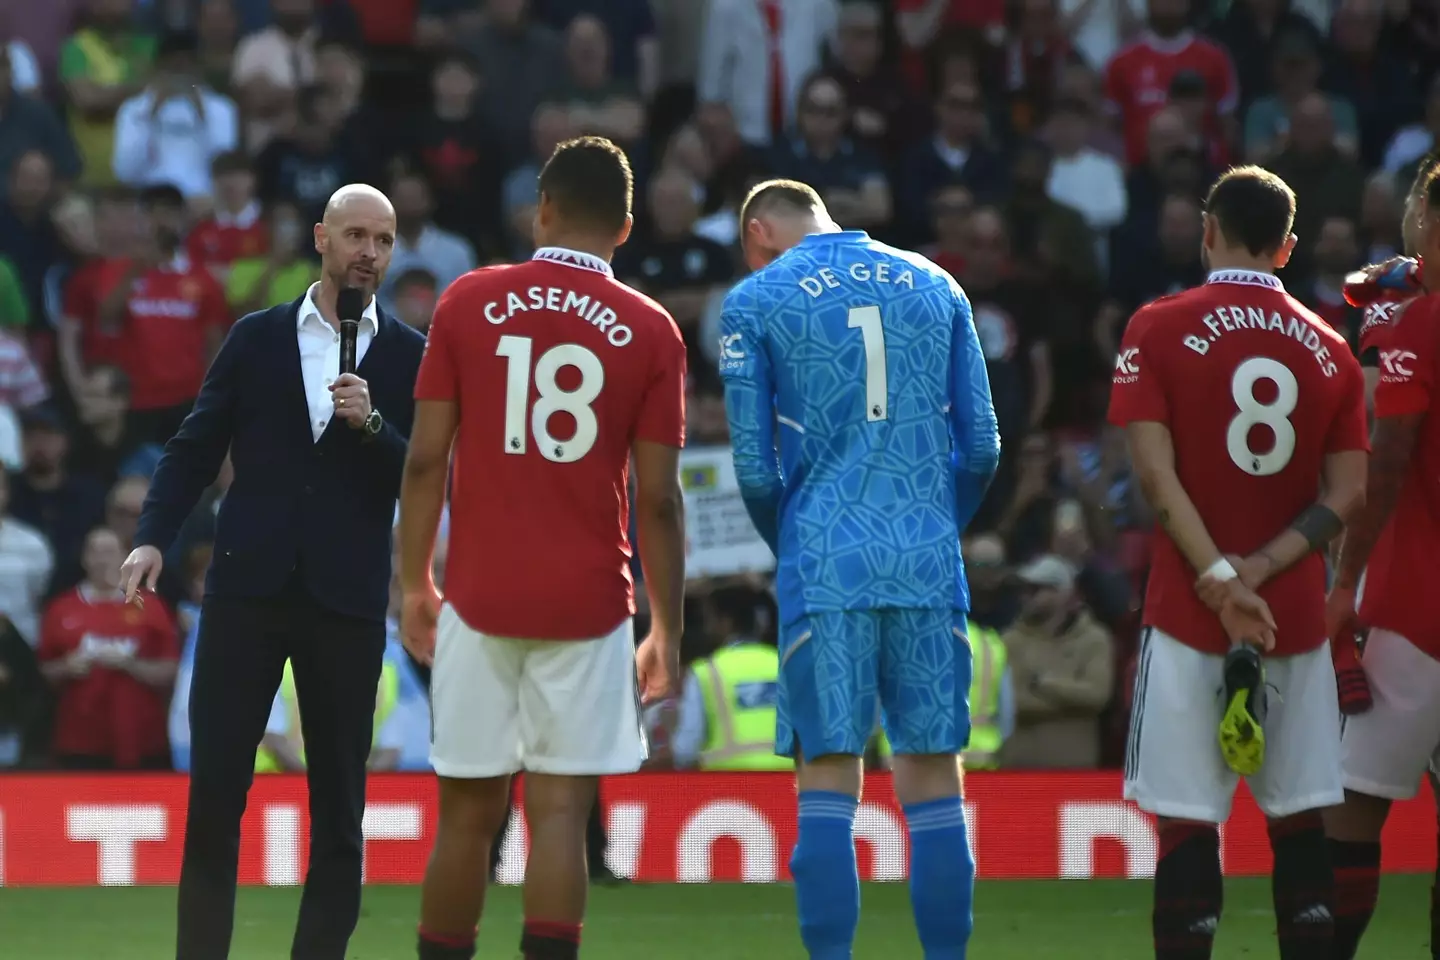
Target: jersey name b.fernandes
x,y
1256,391
866,361
557,370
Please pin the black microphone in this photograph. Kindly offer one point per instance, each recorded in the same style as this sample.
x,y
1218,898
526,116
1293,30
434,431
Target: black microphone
x,y
349,305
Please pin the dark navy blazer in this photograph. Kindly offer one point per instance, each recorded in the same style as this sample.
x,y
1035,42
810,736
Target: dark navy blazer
x,y
326,507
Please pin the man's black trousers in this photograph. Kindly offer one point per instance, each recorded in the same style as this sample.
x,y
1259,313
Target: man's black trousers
x,y
239,659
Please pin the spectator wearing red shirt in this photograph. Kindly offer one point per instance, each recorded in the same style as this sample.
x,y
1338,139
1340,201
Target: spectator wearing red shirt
x,y
170,315
950,211
112,231
111,664
1138,78
234,231
921,22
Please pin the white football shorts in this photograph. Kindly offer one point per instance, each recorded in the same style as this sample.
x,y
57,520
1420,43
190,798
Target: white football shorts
x,y
1173,766
1384,751
502,705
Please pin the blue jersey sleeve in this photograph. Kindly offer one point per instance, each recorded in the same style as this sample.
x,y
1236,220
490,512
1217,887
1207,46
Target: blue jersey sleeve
x,y
972,414
750,409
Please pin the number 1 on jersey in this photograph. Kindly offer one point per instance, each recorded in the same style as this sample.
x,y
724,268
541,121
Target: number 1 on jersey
x,y
877,381
553,398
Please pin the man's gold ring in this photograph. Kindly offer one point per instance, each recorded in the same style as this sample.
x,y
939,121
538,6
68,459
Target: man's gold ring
x,y
341,402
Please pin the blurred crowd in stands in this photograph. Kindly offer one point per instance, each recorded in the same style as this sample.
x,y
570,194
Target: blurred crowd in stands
x,y
162,161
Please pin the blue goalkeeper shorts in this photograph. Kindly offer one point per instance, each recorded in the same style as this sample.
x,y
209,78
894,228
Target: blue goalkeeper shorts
x,y
839,670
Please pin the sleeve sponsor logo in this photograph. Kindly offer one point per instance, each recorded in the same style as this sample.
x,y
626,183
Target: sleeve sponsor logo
x,y
1127,365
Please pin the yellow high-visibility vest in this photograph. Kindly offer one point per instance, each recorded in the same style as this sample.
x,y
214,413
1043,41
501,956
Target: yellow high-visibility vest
x,y
739,687
988,659
385,697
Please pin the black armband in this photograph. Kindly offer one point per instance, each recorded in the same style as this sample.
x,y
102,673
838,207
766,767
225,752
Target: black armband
x,y
1318,524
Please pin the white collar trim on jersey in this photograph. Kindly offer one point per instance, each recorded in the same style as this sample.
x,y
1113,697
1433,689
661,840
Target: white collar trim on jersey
x,y
574,258
1252,277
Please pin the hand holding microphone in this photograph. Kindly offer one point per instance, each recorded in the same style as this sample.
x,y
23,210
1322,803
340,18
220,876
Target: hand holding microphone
x,y
351,394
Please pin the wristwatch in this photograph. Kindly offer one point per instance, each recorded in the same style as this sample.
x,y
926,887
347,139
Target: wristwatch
x,y
373,424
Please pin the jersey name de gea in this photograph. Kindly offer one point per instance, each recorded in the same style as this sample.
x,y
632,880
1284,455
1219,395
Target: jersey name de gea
x,y
1228,318
826,278
559,300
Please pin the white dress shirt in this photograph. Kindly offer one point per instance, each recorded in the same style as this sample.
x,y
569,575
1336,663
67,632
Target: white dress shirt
x,y
734,63
25,565
320,356
174,144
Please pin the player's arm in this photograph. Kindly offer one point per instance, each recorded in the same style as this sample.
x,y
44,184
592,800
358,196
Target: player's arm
x,y
1152,452
1343,480
427,461
1402,401
660,525
750,410
659,501
1392,443
972,415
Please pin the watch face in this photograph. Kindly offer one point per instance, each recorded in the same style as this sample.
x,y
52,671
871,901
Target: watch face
x,y
373,422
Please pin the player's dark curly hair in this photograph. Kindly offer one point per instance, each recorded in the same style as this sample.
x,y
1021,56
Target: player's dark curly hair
x,y
1255,208
1426,178
589,181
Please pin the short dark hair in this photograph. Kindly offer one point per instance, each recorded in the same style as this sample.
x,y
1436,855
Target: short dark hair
x,y
162,195
589,181
457,58
1255,209
1428,165
231,161
416,277
771,195
1431,192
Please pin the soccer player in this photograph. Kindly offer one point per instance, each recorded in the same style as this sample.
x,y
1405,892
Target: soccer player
x,y
1380,289
866,360
1387,748
548,377
1238,403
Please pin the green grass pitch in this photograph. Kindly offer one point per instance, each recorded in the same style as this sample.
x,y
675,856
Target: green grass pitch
x,y
1014,920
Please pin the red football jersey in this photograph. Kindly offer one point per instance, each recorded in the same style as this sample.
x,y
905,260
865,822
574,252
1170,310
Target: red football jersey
x,y
108,713
175,313
217,242
84,289
1376,322
1402,580
1256,390
1137,82
557,369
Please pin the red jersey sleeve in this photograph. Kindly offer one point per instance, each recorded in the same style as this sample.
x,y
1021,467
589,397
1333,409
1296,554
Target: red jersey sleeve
x,y
54,640
1136,392
1115,84
662,410
80,301
439,377
1350,430
1374,324
214,308
1226,83
1407,361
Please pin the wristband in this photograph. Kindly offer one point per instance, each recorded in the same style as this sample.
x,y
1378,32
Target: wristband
x,y
1221,570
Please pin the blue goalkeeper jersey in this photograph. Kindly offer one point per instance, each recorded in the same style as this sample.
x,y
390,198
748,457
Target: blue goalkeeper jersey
x,y
865,360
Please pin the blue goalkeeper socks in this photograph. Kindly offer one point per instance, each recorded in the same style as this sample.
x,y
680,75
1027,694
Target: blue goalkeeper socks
x,y
827,881
942,877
